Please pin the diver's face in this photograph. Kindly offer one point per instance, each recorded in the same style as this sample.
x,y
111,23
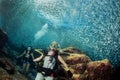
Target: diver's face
x,y
29,48
51,52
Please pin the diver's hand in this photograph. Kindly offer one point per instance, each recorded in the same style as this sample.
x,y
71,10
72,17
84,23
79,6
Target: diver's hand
x,y
69,74
34,60
38,50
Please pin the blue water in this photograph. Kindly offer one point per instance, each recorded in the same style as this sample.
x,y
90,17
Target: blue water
x,y
93,26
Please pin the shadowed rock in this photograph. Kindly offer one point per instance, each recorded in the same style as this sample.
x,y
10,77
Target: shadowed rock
x,y
7,65
5,76
3,38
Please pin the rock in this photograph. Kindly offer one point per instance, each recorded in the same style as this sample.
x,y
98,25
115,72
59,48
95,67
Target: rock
x,y
76,77
100,70
3,38
5,76
7,69
79,68
77,58
78,65
94,70
83,68
7,65
71,50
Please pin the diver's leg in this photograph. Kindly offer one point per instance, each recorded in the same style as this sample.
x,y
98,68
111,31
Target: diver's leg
x,y
24,66
27,67
49,78
39,76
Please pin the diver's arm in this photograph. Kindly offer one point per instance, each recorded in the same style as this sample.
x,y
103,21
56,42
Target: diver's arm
x,y
39,58
32,55
39,51
22,54
63,62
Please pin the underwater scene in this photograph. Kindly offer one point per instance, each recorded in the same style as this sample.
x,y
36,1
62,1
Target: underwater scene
x,y
59,39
